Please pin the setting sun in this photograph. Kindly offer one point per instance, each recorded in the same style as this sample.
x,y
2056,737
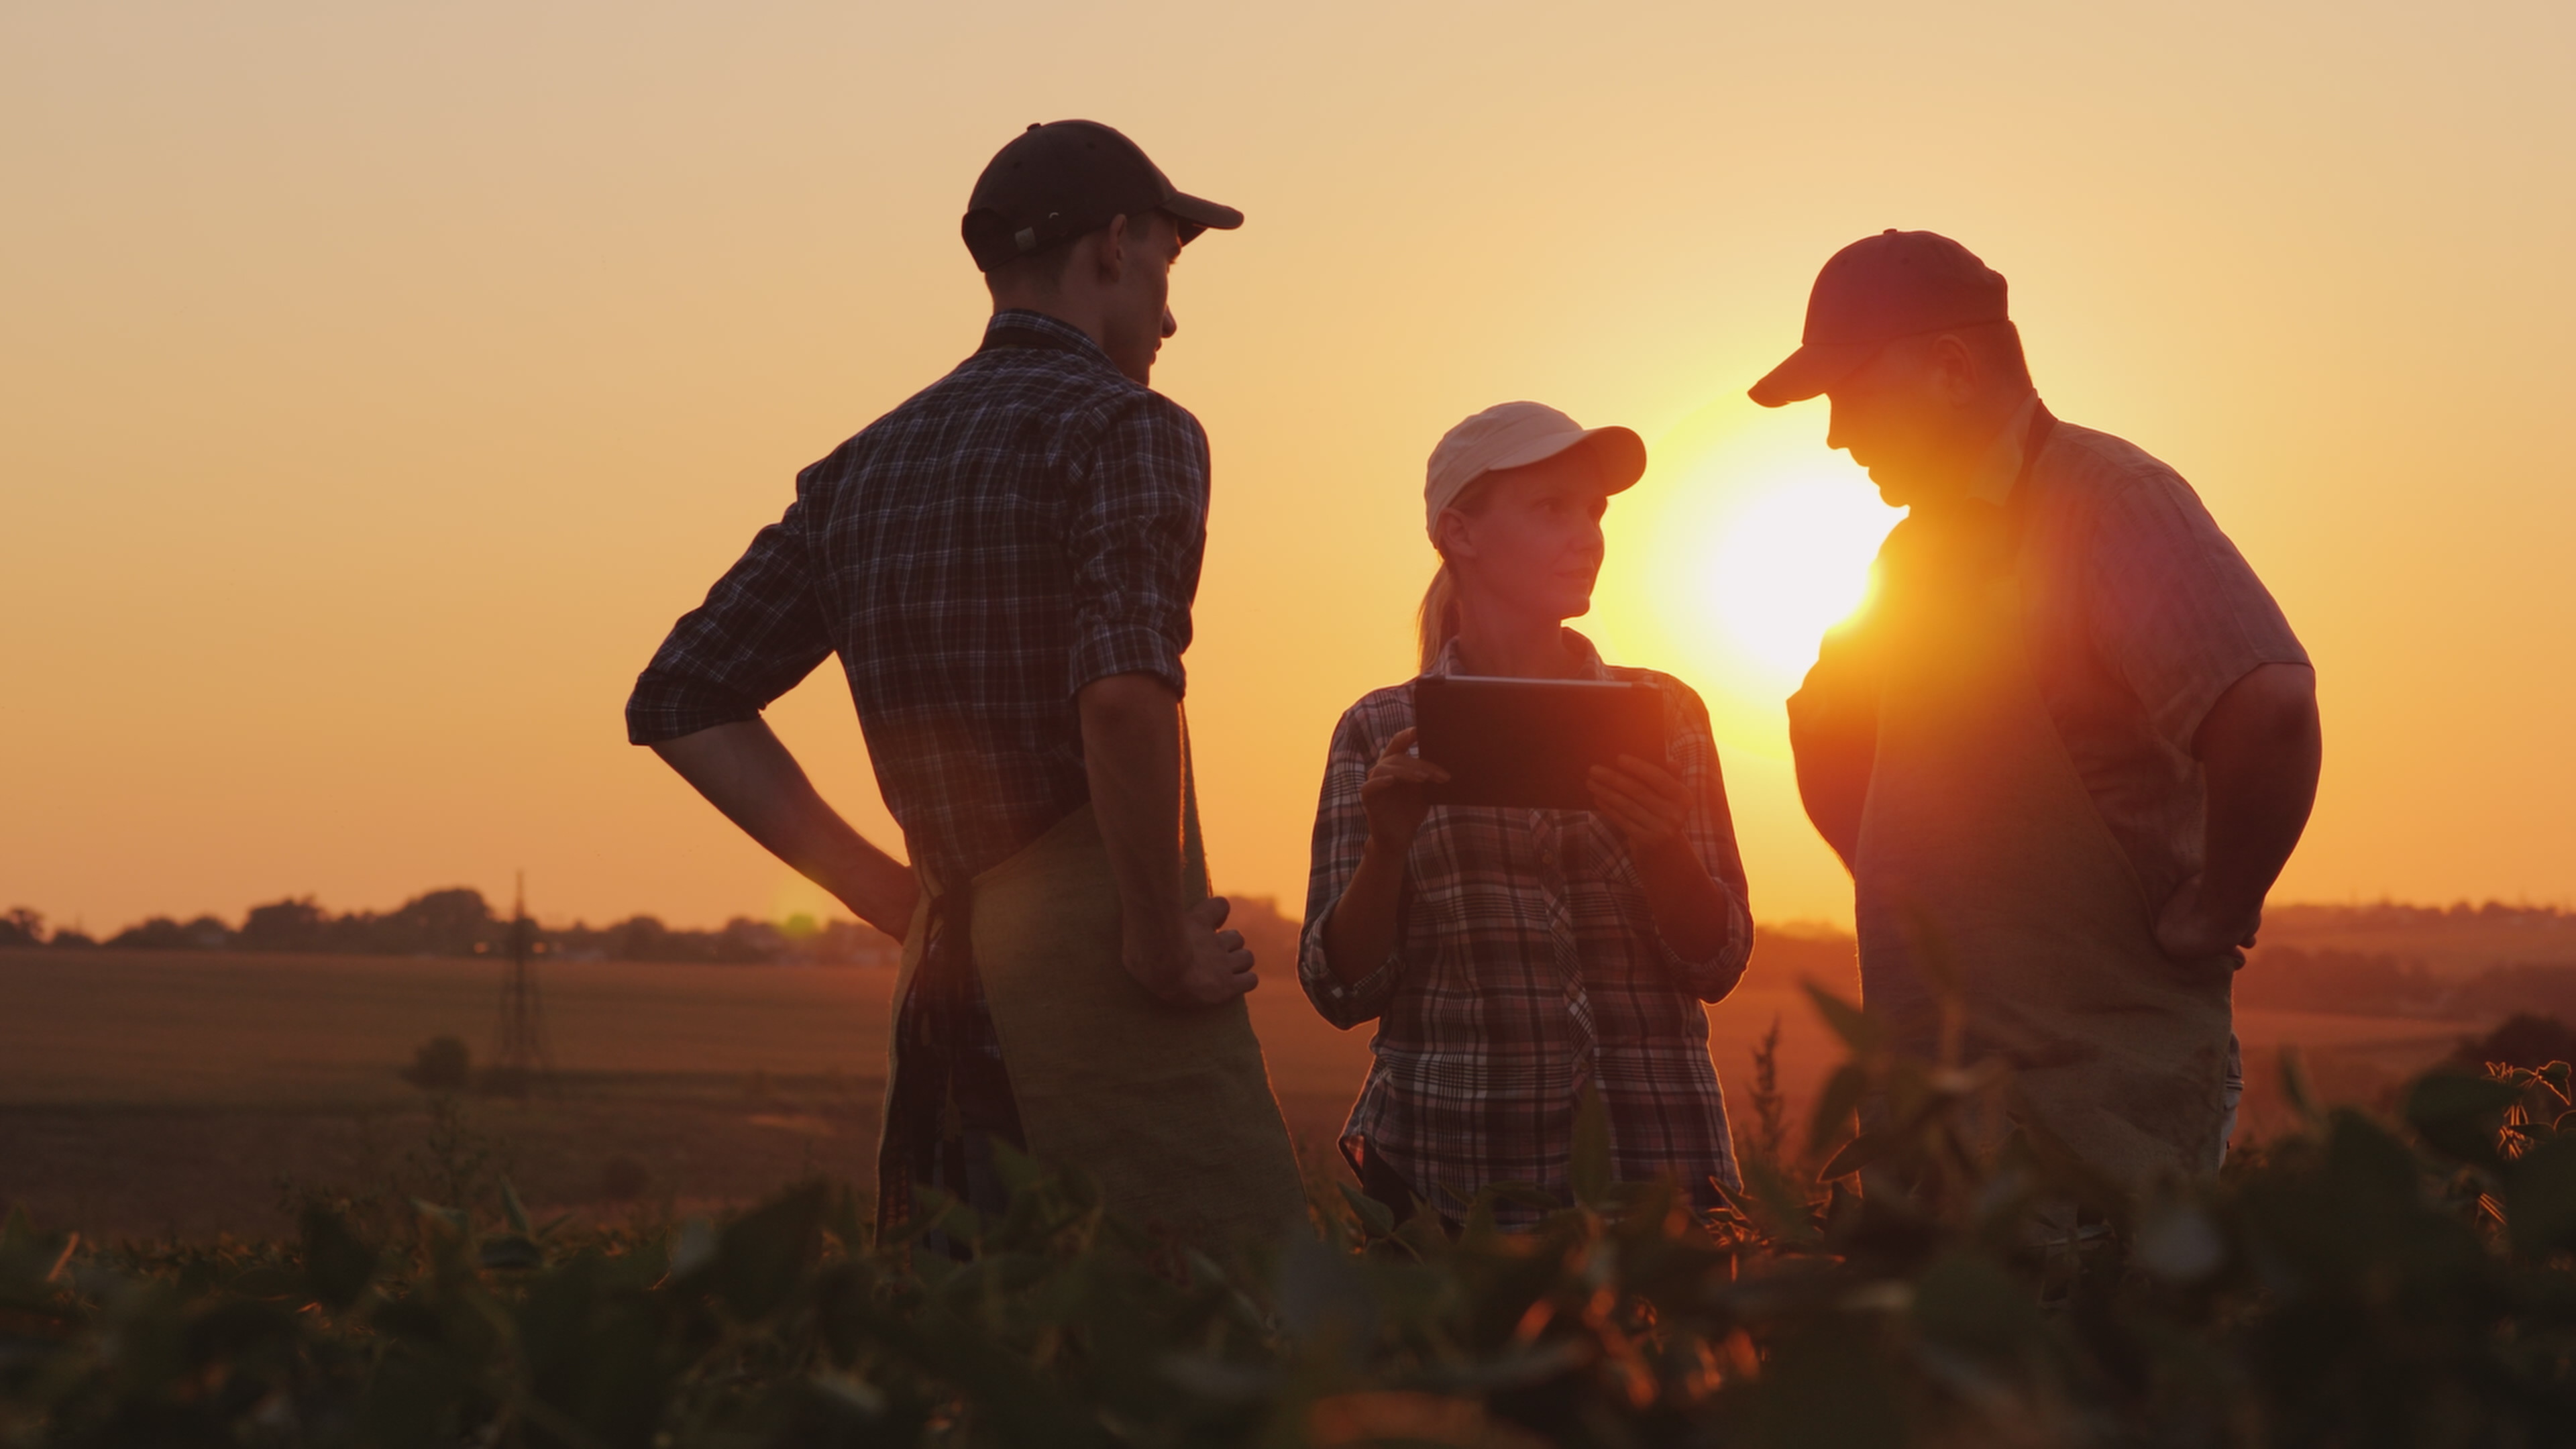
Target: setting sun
x,y
1792,561
1746,542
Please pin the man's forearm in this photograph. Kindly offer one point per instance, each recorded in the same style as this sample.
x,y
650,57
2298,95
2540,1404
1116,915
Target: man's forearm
x,y
1833,740
1131,747
2260,749
1834,794
744,770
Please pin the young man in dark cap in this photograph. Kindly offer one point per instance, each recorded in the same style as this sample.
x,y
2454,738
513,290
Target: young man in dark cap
x,y
2071,741
1005,565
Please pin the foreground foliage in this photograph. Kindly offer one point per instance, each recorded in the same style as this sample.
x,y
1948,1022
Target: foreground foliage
x,y
2363,1283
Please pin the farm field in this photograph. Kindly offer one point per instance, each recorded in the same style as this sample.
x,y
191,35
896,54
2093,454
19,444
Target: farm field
x,y
144,1093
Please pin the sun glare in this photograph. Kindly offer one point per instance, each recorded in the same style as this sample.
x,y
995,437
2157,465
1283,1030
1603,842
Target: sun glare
x,y
1790,563
1744,544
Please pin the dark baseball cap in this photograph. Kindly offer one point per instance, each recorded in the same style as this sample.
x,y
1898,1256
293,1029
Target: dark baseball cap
x,y
1058,180
1878,289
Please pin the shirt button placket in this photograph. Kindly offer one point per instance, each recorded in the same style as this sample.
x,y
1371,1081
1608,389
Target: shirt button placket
x,y
1548,828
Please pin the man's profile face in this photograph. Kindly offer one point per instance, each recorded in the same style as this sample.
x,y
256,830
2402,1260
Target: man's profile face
x,y
1140,312
1894,419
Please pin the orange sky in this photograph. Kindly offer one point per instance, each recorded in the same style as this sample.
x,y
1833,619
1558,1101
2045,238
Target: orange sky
x,y
378,382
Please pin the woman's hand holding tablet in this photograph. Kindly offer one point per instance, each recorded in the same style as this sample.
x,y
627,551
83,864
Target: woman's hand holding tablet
x,y
1648,803
1396,791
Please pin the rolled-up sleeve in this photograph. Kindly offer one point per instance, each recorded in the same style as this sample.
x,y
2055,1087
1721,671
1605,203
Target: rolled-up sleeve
x,y
2173,606
1710,828
1138,534
760,632
1341,831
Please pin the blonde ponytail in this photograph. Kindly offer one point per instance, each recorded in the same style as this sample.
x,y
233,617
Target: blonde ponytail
x,y
1437,624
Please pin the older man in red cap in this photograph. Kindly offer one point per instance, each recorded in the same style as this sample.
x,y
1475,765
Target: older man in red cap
x,y
2068,745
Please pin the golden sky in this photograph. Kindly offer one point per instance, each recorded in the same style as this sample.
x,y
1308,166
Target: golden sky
x,y
378,382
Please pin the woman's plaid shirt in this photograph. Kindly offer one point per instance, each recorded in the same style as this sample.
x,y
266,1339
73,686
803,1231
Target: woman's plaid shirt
x,y
1528,967
1027,524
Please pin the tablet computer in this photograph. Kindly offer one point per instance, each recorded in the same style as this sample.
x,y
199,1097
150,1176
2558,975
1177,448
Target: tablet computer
x,y
1531,742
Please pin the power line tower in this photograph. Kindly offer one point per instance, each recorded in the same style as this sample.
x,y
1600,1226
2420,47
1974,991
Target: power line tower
x,y
524,1059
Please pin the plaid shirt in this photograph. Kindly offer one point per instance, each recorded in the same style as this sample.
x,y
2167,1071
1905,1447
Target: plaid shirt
x,y
1528,966
1027,524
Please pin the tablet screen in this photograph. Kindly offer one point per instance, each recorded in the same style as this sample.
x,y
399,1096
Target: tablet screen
x,y
1531,742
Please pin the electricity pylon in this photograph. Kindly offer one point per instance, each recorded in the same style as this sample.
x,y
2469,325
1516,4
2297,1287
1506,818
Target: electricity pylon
x,y
524,1058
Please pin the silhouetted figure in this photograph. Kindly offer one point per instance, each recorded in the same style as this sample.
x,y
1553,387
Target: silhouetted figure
x,y
2068,744
1006,564
1516,958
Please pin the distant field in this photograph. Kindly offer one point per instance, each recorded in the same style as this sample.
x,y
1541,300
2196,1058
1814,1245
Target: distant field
x,y
147,1091
2456,942
143,1092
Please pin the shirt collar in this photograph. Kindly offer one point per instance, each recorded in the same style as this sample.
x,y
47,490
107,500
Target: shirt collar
x,y
1588,664
2000,469
1054,328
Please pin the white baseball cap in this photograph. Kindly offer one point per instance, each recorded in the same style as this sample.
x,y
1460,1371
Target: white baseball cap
x,y
1515,435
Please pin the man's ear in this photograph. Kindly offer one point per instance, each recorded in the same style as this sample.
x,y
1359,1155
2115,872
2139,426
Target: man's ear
x,y
1954,367
1112,259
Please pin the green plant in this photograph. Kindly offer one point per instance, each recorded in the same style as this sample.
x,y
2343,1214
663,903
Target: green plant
x,y
2400,1282
1770,1105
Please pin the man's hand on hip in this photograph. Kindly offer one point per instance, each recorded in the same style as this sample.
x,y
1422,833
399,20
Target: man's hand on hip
x,y
1193,961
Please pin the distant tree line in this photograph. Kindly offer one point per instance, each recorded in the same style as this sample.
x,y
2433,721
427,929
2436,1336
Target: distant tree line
x,y
460,922
2359,983
2398,915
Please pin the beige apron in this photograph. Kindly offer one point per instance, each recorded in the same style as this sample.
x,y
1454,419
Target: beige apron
x,y
1168,1106
1983,861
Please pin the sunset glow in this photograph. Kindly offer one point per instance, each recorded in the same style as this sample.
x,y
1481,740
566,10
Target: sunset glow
x,y
1793,560
380,392
1746,542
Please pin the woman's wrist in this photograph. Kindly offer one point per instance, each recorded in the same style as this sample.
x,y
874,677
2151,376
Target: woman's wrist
x,y
1379,855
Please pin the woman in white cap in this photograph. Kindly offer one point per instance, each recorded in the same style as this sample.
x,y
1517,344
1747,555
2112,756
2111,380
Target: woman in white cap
x,y
1514,958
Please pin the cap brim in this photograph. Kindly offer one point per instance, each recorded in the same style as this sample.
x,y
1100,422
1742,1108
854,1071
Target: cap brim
x,y
1810,371
1619,452
1198,214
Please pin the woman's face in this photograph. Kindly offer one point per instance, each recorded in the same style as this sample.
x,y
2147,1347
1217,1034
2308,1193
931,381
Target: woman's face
x,y
1534,543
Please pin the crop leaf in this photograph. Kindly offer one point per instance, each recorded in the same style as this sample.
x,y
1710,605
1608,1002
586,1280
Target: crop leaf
x,y
1857,1028
2459,1115
1377,1220
2540,1199
1834,1106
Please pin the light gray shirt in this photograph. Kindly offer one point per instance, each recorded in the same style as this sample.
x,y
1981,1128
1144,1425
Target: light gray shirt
x,y
2140,615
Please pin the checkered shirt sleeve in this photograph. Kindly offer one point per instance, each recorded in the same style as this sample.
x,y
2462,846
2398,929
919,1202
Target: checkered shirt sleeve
x,y
757,636
1139,530
1031,522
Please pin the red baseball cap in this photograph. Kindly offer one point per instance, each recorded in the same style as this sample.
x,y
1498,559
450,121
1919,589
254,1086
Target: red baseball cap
x,y
1878,289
